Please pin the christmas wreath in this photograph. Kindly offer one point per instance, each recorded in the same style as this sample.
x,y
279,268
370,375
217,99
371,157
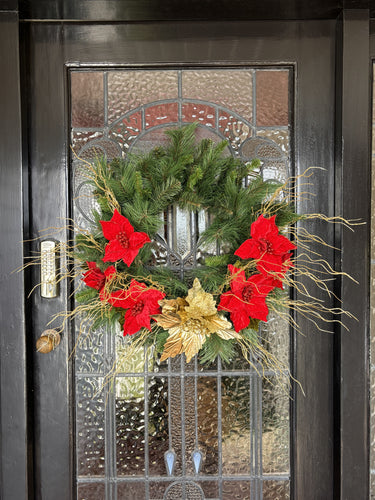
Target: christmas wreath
x,y
218,303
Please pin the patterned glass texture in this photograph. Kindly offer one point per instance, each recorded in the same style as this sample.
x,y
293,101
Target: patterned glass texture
x,y
232,89
87,99
276,490
236,427
127,90
127,423
275,428
272,106
372,314
90,427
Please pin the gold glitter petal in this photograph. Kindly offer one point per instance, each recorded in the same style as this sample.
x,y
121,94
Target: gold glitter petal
x,y
216,322
228,334
191,344
173,345
167,321
200,302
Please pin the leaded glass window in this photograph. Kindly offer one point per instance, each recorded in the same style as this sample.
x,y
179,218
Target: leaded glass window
x,y
174,430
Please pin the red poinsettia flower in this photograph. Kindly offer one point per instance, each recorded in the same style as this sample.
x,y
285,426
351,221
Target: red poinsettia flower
x,y
270,248
141,303
124,242
275,266
246,298
95,278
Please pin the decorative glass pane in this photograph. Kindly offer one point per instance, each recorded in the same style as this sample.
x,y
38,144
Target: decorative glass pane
x,y
87,99
91,491
90,427
272,91
152,427
236,427
231,89
236,490
276,490
275,423
127,90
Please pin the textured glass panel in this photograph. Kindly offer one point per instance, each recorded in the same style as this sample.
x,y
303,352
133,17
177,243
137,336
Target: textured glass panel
x,y
188,490
229,88
89,350
128,90
131,490
91,491
276,490
236,490
87,99
208,424
272,98
233,129
89,427
196,112
236,425
157,489
279,137
130,426
158,441
182,410
79,139
125,132
275,438
210,489
275,336
161,113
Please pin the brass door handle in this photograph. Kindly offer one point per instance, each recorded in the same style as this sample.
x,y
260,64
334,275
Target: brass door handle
x,y
48,341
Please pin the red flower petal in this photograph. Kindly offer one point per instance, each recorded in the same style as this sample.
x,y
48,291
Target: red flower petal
x,y
113,251
109,272
131,323
94,278
264,227
248,249
117,224
137,240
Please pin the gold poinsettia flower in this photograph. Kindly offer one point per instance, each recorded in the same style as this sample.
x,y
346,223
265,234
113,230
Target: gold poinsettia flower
x,y
190,321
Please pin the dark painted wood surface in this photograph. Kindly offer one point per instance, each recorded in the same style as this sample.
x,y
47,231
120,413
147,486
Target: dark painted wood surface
x,y
354,200
309,47
168,10
13,481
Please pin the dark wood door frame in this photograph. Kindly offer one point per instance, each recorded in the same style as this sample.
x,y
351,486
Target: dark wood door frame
x,y
350,431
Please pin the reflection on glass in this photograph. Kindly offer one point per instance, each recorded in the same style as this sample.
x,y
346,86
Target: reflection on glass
x,y
89,427
272,106
276,490
158,438
128,90
236,490
87,99
236,437
130,426
275,440
231,89
208,424
132,490
91,491
174,405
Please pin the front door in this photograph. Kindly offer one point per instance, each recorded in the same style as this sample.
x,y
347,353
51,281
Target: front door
x,y
113,89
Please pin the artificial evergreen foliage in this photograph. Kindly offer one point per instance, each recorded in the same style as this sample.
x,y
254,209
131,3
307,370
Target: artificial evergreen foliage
x,y
195,177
